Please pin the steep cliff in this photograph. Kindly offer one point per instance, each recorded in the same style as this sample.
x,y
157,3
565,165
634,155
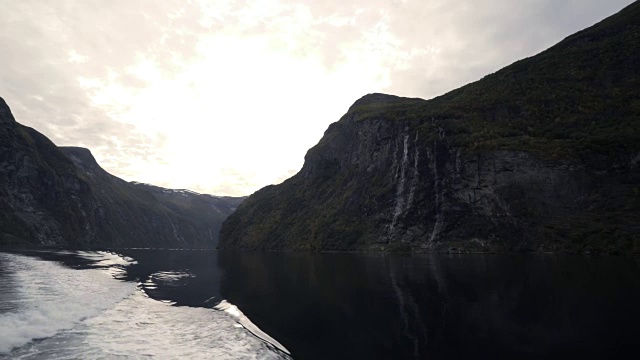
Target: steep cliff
x,y
61,196
539,156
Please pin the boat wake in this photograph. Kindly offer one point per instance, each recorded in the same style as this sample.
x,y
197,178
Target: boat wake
x,y
48,311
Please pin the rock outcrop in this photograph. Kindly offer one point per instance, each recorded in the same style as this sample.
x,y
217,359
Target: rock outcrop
x,y
61,197
540,156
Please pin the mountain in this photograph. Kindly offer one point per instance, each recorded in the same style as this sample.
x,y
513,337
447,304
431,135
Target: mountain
x,y
540,156
53,195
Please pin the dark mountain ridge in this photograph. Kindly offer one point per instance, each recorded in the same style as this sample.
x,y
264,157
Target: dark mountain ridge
x,y
540,156
60,196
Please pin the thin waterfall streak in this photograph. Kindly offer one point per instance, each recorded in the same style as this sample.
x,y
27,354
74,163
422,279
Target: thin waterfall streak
x,y
414,181
395,165
438,197
175,232
400,189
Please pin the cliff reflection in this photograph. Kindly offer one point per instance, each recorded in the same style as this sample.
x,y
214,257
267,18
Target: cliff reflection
x,y
440,306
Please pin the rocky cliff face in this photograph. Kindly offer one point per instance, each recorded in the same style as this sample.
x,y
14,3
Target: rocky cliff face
x,y
61,196
540,156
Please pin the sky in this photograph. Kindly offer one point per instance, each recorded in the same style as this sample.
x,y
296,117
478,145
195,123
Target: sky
x,y
225,97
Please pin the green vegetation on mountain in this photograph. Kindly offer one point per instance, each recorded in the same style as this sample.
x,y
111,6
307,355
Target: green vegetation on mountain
x,y
578,98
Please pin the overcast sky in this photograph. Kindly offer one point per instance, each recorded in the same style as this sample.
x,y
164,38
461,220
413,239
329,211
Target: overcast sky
x,y
225,97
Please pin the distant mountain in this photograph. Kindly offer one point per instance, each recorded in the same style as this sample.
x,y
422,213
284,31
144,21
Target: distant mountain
x,y
542,155
53,195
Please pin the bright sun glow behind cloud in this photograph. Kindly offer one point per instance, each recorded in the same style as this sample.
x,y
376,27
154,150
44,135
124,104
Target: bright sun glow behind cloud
x,y
225,96
243,114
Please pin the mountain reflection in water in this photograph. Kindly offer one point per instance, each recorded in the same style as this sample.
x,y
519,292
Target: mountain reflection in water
x,y
346,305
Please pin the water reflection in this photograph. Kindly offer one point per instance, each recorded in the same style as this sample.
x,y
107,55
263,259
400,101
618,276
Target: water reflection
x,y
374,306
8,286
182,277
368,306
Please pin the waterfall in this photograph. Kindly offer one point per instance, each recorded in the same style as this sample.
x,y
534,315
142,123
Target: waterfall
x,y
395,166
400,189
175,232
438,190
414,181
404,199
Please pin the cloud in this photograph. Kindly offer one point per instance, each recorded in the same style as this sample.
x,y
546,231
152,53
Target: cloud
x,y
226,96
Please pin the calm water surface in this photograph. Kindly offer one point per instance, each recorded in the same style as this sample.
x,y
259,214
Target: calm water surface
x,y
441,306
350,306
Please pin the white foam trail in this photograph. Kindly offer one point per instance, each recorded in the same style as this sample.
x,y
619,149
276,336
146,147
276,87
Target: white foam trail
x,y
87,314
104,258
51,298
140,327
247,324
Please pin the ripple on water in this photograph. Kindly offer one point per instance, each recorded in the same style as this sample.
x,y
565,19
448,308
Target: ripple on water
x,y
88,314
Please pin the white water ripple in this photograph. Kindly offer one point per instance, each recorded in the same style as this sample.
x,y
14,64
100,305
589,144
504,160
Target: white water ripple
x,y
88,314
49,298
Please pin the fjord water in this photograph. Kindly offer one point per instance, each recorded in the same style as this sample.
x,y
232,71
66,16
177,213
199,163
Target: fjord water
x,y
203,304
86,305
366,306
